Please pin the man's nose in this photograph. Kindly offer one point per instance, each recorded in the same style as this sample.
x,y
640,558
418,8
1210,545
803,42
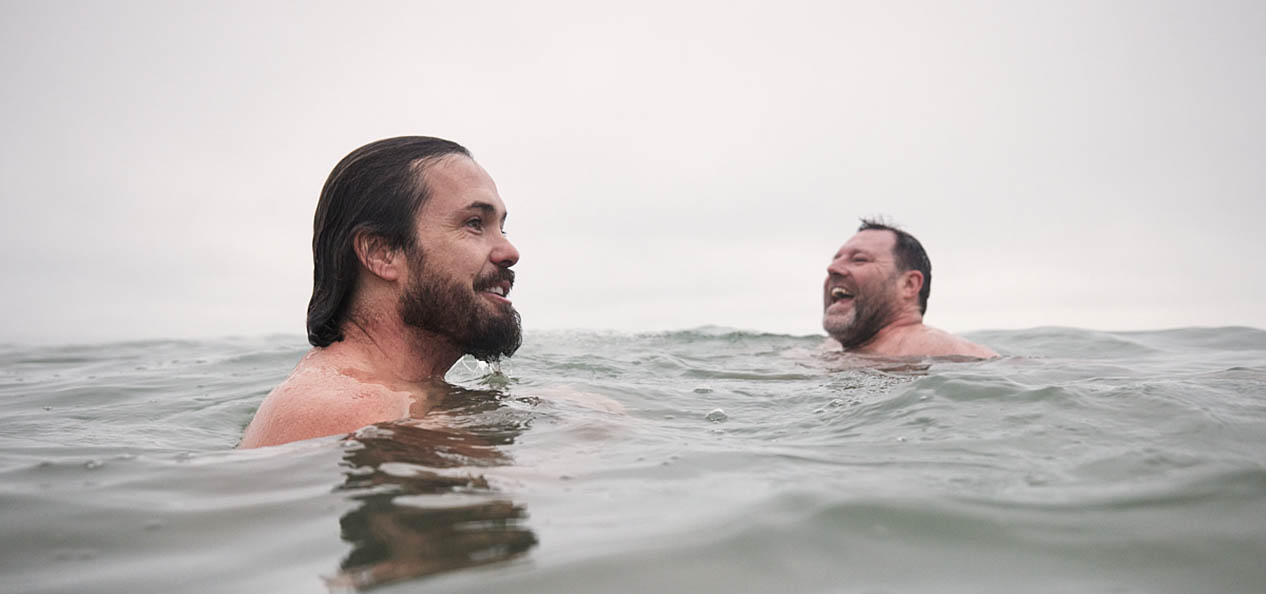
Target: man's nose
x,y
836,267
505,254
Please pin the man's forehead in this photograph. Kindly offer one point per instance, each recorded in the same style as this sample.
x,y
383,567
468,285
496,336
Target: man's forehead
x,y
457,182
878,241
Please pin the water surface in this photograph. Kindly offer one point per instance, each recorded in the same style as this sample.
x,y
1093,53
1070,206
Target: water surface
x,y
1082,461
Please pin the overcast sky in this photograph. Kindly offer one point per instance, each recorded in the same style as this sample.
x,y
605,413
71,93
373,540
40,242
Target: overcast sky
x,y
665,164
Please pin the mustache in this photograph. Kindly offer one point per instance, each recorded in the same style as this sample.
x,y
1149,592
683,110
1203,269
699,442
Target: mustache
x,y
494,278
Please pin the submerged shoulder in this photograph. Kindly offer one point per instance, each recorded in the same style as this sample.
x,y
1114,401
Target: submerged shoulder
x,y
316,401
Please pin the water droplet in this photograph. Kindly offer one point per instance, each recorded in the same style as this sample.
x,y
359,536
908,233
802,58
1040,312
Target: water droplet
x,y
669,417
703,390
48,408
75,555
717,416
93,464
836,403
901,439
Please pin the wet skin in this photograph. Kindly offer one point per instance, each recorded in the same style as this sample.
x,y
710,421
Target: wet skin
x,y
385,369
871,306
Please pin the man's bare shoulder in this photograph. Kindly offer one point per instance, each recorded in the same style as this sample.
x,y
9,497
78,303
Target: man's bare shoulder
x,y
939,343
322,397
918,340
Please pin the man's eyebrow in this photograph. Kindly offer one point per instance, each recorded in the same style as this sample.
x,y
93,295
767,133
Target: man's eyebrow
x,y
851,251
485,208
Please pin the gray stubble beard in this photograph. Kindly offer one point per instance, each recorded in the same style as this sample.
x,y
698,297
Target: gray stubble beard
x,y
869,316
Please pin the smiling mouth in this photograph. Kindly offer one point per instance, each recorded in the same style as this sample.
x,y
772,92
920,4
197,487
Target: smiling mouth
x,y
496,284
838,293
498,290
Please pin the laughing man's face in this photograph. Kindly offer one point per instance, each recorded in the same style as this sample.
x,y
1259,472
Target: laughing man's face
x,y
460,276
859,295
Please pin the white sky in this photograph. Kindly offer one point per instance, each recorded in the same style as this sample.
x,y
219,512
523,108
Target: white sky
x,y
666,164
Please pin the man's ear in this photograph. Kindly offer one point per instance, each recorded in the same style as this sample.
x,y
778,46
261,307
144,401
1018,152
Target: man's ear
x,y
911,283
377,256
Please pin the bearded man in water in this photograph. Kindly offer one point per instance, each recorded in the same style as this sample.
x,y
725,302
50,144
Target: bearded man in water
x,y
876,293
411,271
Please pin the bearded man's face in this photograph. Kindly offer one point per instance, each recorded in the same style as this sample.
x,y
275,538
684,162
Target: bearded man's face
x,y
459,263
859,296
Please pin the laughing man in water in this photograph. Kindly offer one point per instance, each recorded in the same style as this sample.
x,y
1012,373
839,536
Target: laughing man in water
x,y
412,269
876,293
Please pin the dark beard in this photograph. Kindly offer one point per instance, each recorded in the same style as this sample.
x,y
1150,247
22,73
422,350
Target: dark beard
x,y
444,307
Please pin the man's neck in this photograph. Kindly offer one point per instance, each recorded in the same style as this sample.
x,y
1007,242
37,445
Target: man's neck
x,y
889,338
396,352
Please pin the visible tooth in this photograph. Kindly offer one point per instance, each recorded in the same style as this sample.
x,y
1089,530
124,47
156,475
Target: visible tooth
x,y
838,293
498,291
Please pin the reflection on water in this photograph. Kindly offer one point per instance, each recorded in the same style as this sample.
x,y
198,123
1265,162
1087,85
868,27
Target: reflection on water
x,y
412,519
837,361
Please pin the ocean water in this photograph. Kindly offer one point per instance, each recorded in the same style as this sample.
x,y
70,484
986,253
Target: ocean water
x,y
708,460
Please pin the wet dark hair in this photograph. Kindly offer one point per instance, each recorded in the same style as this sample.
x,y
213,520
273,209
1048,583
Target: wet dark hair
x,y
909,255
377,188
